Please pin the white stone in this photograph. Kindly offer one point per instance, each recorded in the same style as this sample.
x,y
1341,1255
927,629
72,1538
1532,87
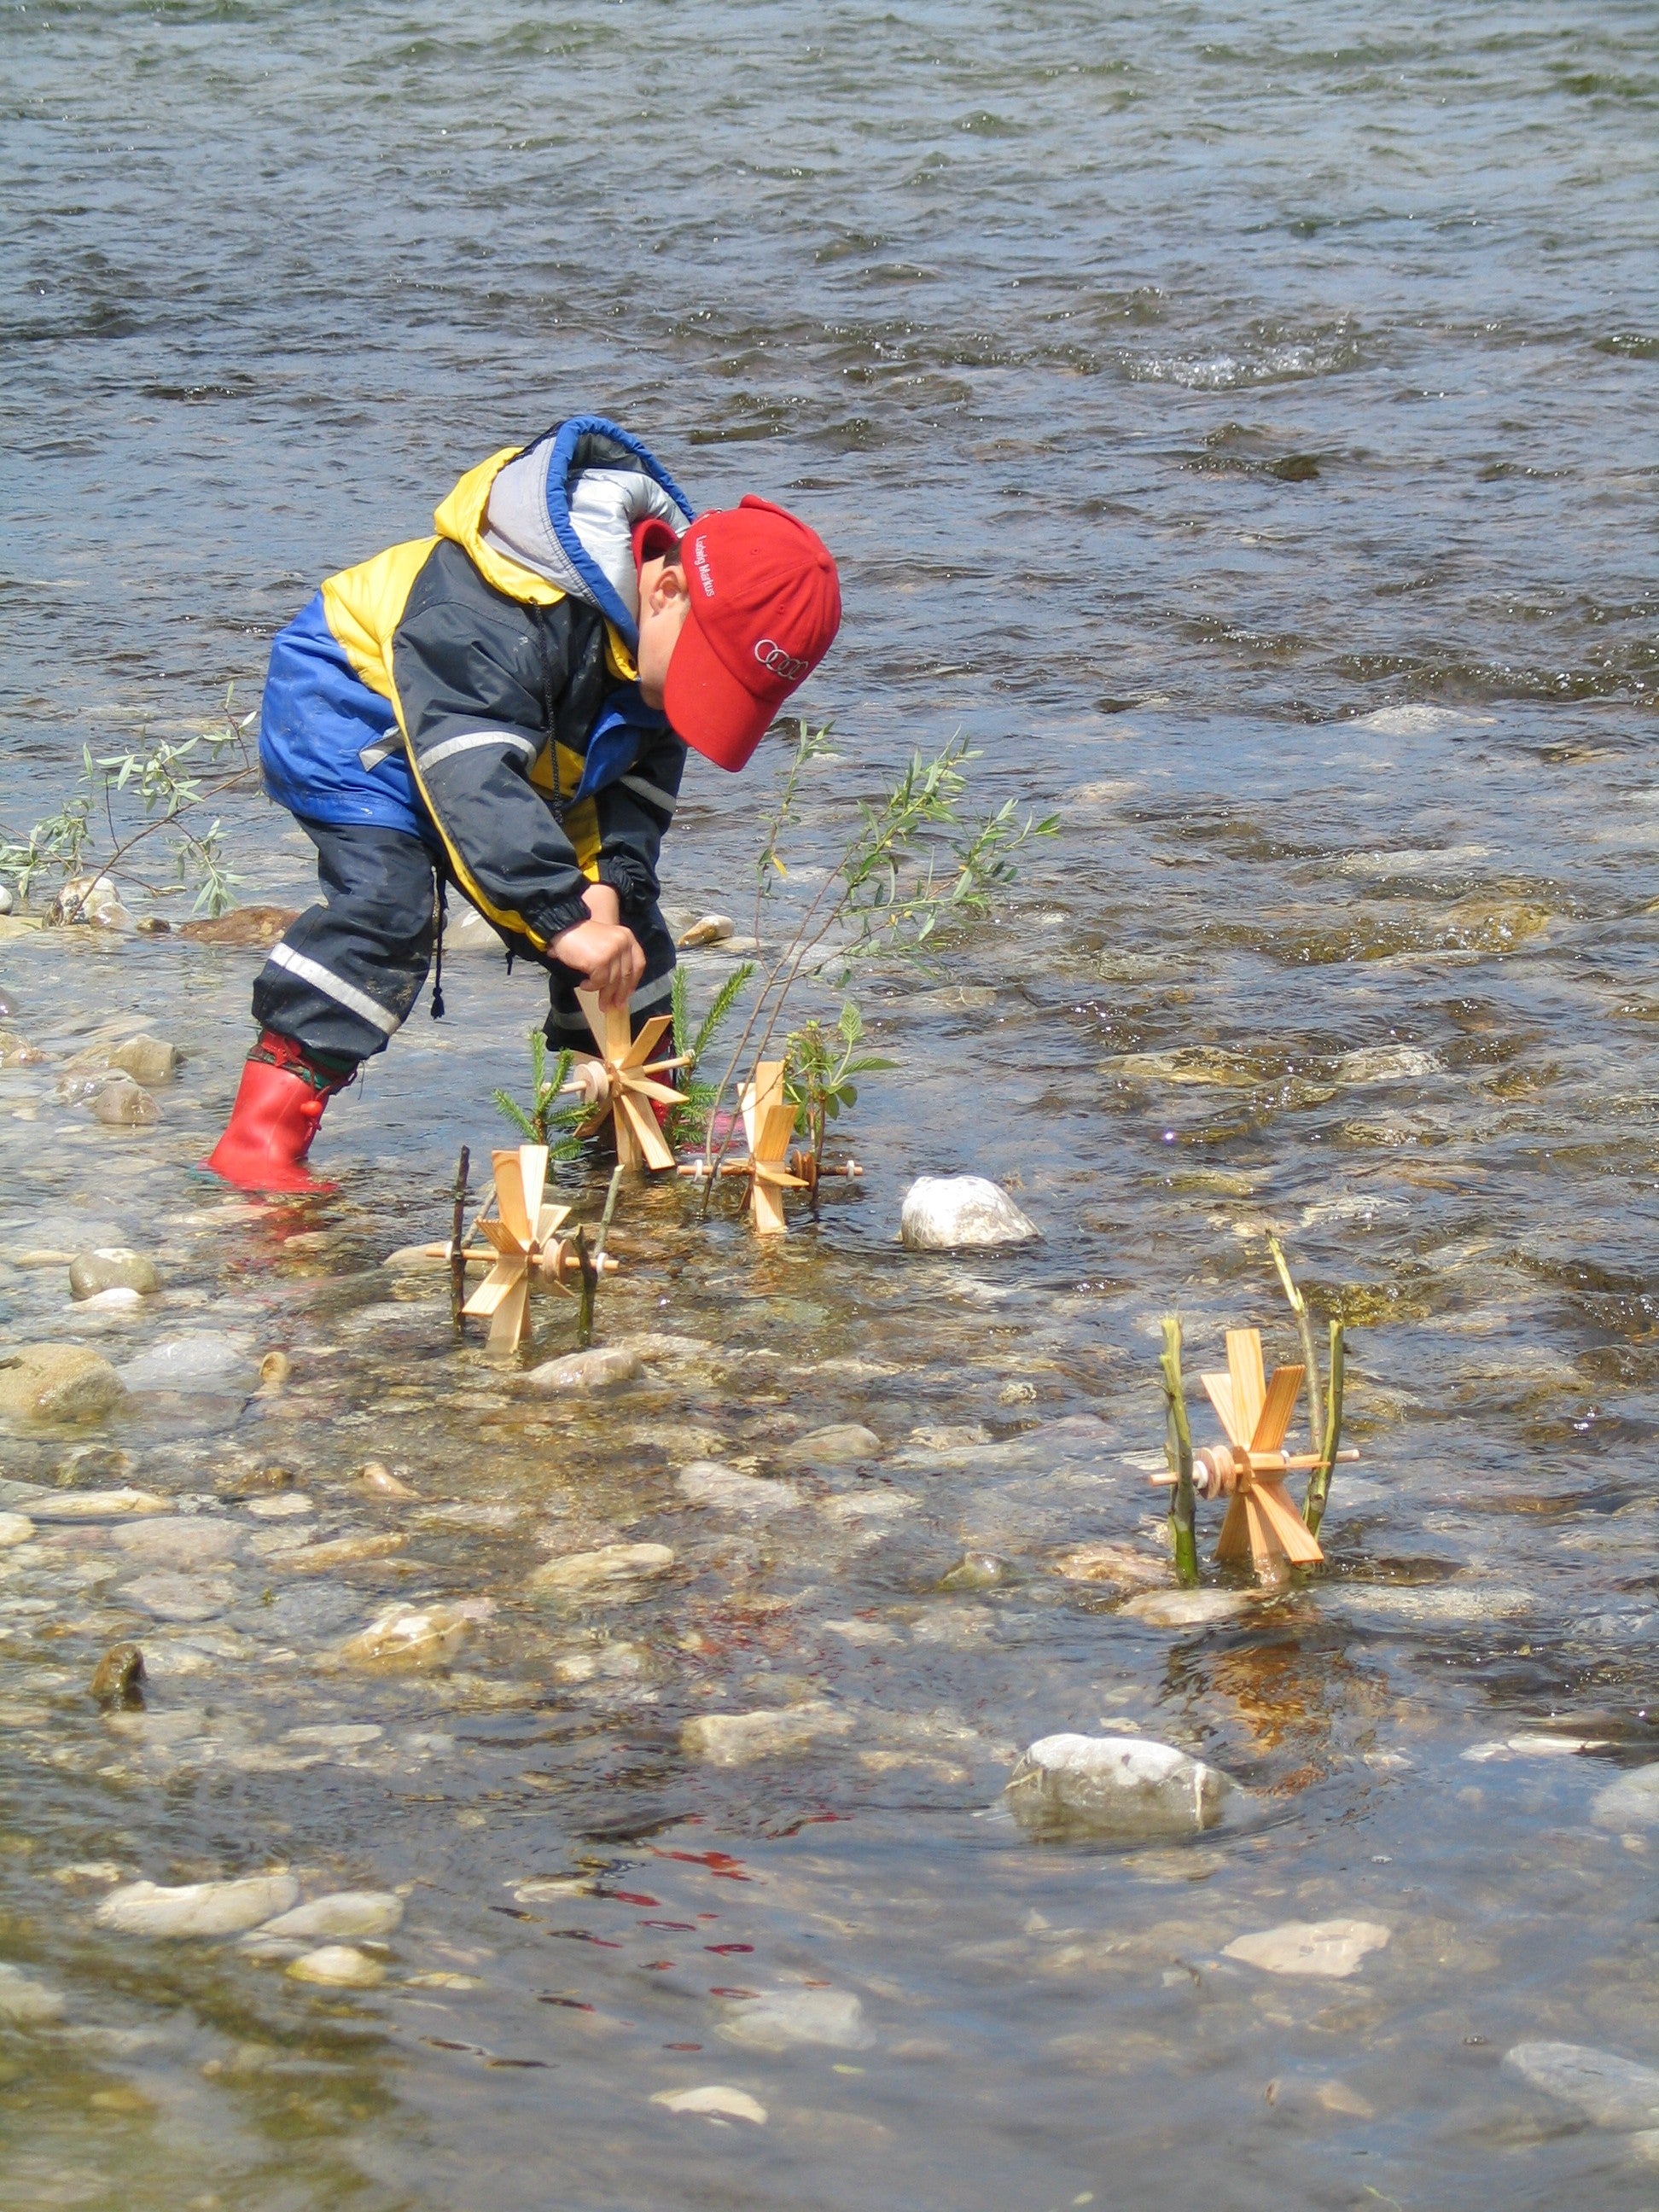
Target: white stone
x,y
1611,2091
25,2002
709,929
1326,1950
785,2017
738,1739
112,1301
199,1908
15,1529
284,1505
722,1489
335,1735
1114,1785
951,1213
338,1967
715,2101
359,1914
1632,1802
76,1505
610,1563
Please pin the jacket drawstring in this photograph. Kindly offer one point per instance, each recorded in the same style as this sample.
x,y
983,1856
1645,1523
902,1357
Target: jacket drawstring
x,y
438,954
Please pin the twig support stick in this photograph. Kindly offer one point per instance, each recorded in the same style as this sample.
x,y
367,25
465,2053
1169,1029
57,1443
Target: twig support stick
x,y
457,1255
1309,1357
1178,1446
1319,1483
589,1264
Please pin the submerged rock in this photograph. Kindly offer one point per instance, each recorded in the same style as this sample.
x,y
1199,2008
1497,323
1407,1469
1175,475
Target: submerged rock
x,y
706,1482
602,1369
338,1967
147,1059
57,1382
184,1598
782,2018
25,2002
203,1360
1187,1608
254,927
410,1636
75,1506
15,1529
199,1908
1611,2091
113,1267
714,2100
1128,1787
949,1213
610,1563
360,1914
738,1739
339,1552
1326,1950
1632,1802
975,1570
843,1444
121,1103
117,1675
1119,1566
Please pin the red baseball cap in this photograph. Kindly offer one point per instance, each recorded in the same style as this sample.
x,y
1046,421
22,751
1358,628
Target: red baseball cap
x,y
765,605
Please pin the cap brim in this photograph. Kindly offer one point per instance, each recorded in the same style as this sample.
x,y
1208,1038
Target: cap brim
x,y
715,715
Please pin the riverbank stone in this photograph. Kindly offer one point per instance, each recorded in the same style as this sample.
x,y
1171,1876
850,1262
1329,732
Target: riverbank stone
x,y
338,1967
147,1059
121,1103
57,1382
196,1908
957,1213
353,1915
843,1444
412,1637
113,1267
1126,1788
610,1564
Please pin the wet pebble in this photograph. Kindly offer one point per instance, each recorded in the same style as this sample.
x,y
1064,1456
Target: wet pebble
x,y
739,1738
57,1382
25,2002
340,1552
338,1967
177,1597
15,1529
113,1267
1128,1787
196,1908
610,1563
1187,1608
604,1368
1325,1950
121,1103
203,1360
381,1482
280,1505
199,1541
118,1675
709,929
783,2018
92,1505
949,1213
147,1059
975,1570
1119,1565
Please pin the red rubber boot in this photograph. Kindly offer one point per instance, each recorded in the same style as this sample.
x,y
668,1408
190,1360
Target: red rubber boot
x,y
278,1110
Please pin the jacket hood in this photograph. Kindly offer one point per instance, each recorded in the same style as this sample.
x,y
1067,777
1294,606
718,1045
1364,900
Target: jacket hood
x,y
559,517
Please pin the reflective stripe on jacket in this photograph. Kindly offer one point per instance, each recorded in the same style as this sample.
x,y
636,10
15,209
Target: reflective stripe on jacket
x,y
450,688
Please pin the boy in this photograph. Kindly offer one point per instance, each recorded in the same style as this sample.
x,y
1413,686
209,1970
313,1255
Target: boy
x,y
506,708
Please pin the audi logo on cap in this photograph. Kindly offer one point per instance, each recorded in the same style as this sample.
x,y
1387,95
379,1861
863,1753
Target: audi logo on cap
x,y
787,665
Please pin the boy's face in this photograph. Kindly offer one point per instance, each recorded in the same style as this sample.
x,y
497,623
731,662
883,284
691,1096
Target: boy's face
x,y
664,607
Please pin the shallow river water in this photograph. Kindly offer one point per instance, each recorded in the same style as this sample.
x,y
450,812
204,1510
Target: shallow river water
x,y
1239,422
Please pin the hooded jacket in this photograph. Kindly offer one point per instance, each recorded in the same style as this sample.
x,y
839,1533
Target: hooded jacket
x,y
477,688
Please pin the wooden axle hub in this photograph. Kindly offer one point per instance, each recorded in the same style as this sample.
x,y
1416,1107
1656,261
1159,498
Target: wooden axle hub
x,y
1221,1469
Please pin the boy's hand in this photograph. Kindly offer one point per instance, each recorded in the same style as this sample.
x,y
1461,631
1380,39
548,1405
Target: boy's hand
x,y
607,957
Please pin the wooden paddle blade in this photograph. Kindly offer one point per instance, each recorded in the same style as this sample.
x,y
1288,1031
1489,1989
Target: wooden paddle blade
x,y
1277,1408
648,1141
641,1047
597,1019
774,1173
766,1210
774,1125
1219,1389
532,1180
1233,1544
496,1286
509,1195
640,1085
498,1234
512,1322
548,1220
1287,1524
1249,1378
1266,1550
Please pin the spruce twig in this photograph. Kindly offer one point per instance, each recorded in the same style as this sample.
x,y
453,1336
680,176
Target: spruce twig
x,y
1319,1482
1178,1445
1310,1355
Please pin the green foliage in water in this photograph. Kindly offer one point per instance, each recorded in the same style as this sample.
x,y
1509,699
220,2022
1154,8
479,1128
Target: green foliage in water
x,y
819,1065
545,1120
688,1124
